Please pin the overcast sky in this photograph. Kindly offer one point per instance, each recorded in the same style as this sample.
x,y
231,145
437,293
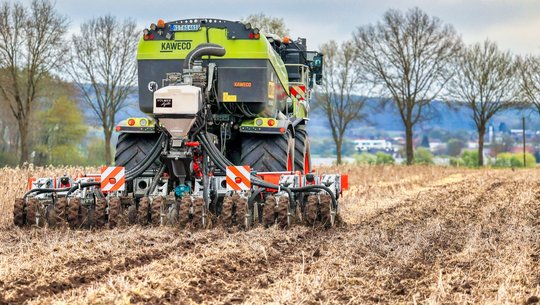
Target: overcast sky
x,y
514,24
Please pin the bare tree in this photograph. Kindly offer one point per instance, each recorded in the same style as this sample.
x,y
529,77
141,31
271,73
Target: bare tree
x,y
267,24
340,97
104,68
31,46
529,75
485,81
407,55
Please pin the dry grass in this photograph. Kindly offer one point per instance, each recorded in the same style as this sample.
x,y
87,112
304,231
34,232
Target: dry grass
x,y
414,235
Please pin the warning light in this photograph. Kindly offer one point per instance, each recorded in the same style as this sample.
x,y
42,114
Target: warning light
x,y
238,180
131,122
112,180
161,24
118,128
282,130
271,122
286,40
258,122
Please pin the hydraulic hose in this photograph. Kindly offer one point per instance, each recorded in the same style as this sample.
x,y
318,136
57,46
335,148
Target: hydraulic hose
x,y
222,163
159,173
68,189
147,162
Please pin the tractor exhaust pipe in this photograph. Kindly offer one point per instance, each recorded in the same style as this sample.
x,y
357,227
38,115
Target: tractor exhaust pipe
x,y
211,49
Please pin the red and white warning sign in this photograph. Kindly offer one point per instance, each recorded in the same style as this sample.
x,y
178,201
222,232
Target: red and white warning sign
x,y
238,178
113,178
299,92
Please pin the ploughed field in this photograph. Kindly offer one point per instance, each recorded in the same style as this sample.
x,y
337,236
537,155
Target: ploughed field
x,y
413,235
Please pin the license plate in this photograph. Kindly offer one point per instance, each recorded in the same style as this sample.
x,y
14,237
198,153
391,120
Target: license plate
x,y
185,27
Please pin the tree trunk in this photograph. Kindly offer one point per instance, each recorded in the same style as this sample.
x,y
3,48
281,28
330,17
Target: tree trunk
x,y
23,141
108,155
481,134
409,149
339,145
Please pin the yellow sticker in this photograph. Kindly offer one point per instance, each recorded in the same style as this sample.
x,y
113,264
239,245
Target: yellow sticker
x,y
271,90
228,98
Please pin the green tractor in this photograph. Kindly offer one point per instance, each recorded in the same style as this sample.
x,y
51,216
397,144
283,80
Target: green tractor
x,y
225,137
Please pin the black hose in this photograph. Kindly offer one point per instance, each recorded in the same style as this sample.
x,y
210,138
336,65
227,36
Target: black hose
x,y
222,162
154,183
147,162
82,185
69,190
203,49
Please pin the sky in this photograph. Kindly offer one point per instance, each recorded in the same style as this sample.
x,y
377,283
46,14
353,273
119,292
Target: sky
x,y
513,24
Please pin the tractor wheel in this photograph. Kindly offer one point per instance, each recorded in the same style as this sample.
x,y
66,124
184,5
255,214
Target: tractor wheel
x,y
132,149
268,153
302,154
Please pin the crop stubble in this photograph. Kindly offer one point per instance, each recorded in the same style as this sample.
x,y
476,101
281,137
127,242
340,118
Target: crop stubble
x,y
421,235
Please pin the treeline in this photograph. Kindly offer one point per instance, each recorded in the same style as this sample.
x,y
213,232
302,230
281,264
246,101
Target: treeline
x,y
60,94
410,59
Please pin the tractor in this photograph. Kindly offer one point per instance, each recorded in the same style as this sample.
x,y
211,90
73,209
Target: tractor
x,y
224,139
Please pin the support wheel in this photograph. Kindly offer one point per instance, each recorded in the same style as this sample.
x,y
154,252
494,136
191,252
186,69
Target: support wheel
x,y
199,213
18,212
328,213
269,211
183,215
87,216
58,216
283,217
143,213
101,212
156,210
73,212
227,211
243,213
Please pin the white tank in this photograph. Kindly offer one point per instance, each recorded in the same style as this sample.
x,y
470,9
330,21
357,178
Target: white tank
x,y
176,108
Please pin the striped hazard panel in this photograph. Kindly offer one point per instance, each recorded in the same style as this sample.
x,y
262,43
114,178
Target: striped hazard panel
x,y
113,178
299,92
238,178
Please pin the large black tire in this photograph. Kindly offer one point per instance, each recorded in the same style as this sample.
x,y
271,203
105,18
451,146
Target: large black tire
x,y
268,153
302,154
133,148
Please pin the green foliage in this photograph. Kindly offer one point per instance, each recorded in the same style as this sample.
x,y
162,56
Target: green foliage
x,y
514,160
379,158
454,147
95,152
423,156
470,158
8,159
384,159
61,130
365,159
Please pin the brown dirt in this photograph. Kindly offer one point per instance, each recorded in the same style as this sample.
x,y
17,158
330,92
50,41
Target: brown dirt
x,y
442,236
